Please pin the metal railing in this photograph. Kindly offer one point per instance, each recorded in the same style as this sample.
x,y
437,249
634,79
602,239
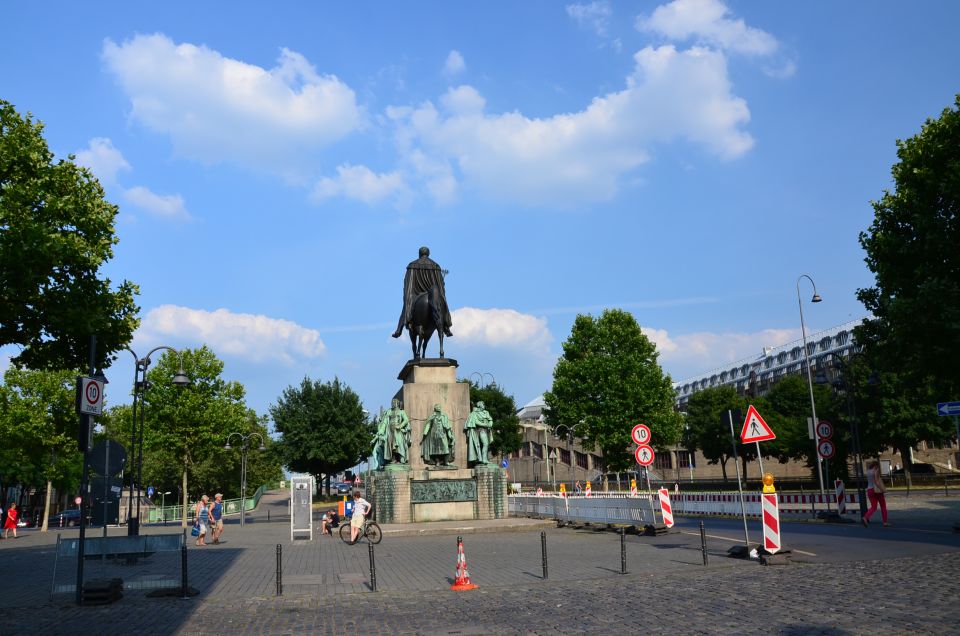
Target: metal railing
x,y
156,514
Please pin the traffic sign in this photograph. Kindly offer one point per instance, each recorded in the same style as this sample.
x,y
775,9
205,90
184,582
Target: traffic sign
x,y
824,429
89,396
826,448
640,434
644,455
754,428
77,500
504,464
150,491
948,408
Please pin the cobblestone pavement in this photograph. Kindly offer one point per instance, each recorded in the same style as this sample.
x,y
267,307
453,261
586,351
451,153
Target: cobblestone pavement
x,y
327,586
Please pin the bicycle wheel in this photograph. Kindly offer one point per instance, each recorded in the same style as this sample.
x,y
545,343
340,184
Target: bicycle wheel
x,y
373,532
345,532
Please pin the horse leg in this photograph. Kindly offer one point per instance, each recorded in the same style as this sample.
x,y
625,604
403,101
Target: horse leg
x,y
413,342
440,335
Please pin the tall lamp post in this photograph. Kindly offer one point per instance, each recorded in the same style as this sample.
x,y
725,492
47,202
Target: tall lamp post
x,y
481,375
243,467
806,356
140,386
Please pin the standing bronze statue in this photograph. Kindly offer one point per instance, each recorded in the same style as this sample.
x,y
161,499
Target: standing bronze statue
x,y
479,430
393,436
424,304
437,445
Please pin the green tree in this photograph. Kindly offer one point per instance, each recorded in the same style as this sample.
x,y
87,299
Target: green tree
x,y
56,231
708,429
38,432
323,428
507,435
607,380
187,426
912,337
787,408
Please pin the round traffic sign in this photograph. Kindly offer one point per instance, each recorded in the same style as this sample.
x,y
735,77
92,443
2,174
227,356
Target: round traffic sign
x,y
824,429
150,491
77,501
644,455
504,464
826,448
93,393
640,434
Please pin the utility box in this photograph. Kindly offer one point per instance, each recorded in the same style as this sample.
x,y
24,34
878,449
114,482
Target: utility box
x,y
301,507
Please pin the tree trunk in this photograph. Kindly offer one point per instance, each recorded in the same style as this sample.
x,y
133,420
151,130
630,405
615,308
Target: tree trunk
x,y
743,462
46,507
723,467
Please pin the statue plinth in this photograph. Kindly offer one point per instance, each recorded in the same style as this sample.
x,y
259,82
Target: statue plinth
x,y
424,492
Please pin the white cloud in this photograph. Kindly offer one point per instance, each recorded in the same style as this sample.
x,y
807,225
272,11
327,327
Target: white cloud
x,y
252,337
103,159
707,21
581,157
455,63
168,206
362,184
689,354
594,16
217,109
504,328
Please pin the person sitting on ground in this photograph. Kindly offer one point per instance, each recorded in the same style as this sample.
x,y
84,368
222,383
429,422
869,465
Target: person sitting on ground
x,y
329,521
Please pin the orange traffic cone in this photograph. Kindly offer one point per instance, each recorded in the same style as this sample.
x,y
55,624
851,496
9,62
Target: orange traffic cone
x,y
463,577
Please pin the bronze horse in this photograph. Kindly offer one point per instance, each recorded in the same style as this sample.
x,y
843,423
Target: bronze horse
x,y
424,321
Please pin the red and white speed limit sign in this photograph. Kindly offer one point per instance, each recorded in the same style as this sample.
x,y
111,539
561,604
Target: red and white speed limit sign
x,y
90,396
824,429
640,434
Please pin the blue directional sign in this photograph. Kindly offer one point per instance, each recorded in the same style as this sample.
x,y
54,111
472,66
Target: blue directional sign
x,y
948,408
150,491
504,464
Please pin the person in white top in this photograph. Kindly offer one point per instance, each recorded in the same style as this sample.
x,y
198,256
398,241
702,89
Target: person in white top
x,y
875,493
361,508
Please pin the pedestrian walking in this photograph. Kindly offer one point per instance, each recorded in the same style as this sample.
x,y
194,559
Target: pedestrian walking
x,y
11,522
202,515
875,493
216,517
578,488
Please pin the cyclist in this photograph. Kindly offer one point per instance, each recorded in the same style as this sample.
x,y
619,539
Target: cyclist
x,y
361,507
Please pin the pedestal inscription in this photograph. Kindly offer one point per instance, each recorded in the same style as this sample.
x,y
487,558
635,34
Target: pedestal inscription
x,y
443,490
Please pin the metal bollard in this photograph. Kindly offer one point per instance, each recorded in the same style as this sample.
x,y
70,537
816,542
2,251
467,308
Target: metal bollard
x,y
623,550
543,549
703,543
279,570
184,588
373,568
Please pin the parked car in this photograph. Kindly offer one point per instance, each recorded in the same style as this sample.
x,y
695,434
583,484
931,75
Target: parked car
x,y
24,520
69,517
344,488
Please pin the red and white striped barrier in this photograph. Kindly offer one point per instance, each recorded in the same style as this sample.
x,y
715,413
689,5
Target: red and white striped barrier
x,y
665,508
841,497
539,492
771,524
588,492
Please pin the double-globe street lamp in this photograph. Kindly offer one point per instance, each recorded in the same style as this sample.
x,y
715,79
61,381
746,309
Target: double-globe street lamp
x,y
806,356
140,386
243,466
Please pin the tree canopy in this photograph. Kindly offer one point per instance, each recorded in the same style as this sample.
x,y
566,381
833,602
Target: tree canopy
x,y
912,338
56,231
323,427
607,380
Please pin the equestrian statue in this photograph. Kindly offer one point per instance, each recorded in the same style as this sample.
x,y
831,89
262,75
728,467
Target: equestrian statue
x,y
424,305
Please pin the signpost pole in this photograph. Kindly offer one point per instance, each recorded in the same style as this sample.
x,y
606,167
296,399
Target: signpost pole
x,y
84,478
759,458
736,462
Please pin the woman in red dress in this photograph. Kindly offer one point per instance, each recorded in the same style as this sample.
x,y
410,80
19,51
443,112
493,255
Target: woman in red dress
x,y
11,522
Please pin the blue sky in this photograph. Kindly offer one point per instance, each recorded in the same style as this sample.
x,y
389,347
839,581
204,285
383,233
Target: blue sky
x,y
277,166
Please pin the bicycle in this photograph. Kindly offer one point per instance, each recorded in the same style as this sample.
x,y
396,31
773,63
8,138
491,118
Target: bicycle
x,y
370,531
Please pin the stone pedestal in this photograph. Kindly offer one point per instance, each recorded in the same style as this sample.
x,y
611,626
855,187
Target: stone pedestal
x,y
422,494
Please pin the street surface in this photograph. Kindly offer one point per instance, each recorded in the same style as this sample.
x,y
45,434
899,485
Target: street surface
x,y
844,579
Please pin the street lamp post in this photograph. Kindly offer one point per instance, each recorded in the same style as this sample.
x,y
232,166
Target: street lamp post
x,y
806,356
243,467
140,386
481,375
163,505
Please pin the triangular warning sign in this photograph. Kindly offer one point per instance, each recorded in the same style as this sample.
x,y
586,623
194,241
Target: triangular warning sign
x,y
754,428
